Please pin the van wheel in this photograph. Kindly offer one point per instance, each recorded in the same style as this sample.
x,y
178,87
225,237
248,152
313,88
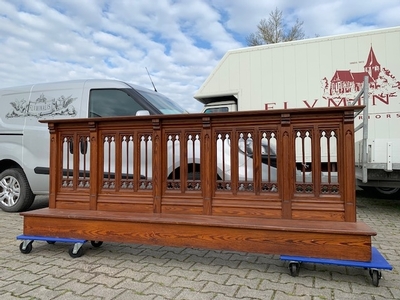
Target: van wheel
x,y
382,192
387,191
15,192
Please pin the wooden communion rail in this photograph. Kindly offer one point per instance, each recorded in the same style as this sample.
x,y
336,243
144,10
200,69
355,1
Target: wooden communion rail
x,y
279,182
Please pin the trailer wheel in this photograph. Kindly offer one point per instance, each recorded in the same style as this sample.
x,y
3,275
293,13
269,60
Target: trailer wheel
x,y
27,249
375,276
15,192
294,268
96,244
78,253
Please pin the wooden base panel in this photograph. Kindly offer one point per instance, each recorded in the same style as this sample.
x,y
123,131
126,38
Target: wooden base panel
x,y
336,240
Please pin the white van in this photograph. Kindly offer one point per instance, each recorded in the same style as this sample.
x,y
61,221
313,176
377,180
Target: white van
x,y
24,150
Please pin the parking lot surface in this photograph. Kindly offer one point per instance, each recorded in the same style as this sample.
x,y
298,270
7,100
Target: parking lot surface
x,y
133,271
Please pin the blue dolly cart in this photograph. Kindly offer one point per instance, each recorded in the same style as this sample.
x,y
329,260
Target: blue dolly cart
x,y
74,251
377,263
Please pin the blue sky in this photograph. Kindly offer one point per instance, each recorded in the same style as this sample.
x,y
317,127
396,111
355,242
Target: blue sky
x,y
179,42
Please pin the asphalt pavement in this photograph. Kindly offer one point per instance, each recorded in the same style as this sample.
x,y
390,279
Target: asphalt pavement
x,y
133,271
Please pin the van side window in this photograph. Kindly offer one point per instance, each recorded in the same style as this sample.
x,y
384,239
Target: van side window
x,y
216,109
112,103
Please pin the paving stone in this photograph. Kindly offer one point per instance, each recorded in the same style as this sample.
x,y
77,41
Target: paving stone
x,y
79,275
136,286
131,295
105,279
9,296
119,271
179,264
162,290
189,284
188,294
318,293
77,287
270,276
240,281
129,273
245,292
165,280
217,278
186,274
103,292
18,288
233,271
42,292
226,290
151,268
342,285
199,259
267,285
279,295
209,268
27,277
50,281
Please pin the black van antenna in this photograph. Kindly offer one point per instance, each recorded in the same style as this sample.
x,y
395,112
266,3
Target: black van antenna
x,y
151,80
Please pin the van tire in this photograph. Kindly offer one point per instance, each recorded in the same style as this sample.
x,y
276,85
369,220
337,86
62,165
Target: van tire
x,y
14,186
388,191
385,193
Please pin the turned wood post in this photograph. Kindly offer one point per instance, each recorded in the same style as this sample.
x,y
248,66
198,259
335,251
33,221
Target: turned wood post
x,y
158,165
207,160
55,167
285,164
94,165
348,178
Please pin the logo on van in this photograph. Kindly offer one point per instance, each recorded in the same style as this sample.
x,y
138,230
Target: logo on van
x,y
43,107
345,83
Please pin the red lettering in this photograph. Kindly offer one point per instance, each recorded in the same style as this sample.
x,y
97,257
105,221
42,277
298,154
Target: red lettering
x,y
308,105
388,116
269,105
342,101
380,98
285,105
377,116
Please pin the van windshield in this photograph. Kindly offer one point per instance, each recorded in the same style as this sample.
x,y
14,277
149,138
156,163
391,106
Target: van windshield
x,y
165,105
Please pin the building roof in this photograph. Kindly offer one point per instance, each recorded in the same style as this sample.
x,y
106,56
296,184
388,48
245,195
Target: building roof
x,y
371,60
359,77
342,75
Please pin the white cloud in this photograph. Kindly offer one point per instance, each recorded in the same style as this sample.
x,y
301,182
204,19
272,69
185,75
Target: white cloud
x,y
179,41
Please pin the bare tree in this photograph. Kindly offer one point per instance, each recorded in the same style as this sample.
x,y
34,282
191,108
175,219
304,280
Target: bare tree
x,y
274,30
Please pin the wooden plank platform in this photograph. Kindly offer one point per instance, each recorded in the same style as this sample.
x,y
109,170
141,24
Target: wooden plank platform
x,y
330,239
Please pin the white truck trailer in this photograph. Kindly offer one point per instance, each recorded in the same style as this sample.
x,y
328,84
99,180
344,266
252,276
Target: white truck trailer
x,y
318,72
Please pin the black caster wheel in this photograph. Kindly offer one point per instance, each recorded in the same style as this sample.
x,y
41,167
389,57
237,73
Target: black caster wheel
x,y
79,253
96,244
375,276
27,249
294,268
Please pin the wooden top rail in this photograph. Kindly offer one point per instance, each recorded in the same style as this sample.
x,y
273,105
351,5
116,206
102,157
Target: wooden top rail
x,y
279,164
